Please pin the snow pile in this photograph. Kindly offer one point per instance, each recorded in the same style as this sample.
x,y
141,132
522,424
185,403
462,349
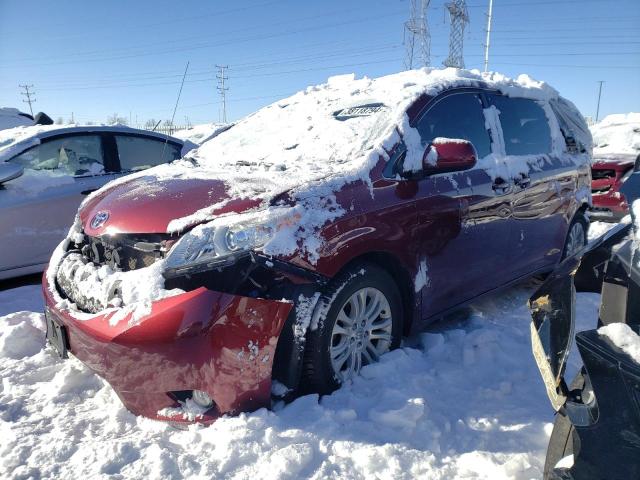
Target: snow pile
x,y
462,401
198,134
11,117
617,134
624,338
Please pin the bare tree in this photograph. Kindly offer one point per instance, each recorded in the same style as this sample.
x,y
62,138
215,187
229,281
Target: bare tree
x,y
115,119
150,124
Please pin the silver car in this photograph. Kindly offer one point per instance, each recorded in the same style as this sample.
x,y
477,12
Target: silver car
x,y
46,172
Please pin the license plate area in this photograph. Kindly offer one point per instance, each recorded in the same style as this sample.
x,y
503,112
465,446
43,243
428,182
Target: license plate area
x,y
56,334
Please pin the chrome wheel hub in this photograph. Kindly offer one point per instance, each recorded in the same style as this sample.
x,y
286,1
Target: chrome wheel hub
x,y
362,332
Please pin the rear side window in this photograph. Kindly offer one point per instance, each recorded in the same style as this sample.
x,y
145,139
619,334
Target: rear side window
x,y
139,153
524,125
457,116
72,155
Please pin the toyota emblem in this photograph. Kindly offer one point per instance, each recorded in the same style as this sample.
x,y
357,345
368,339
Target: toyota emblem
x,y
99,219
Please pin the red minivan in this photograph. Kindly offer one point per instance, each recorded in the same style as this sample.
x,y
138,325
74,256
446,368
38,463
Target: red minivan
x,y
302,243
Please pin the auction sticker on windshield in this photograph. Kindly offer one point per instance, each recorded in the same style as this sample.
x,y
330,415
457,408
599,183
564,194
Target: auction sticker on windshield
x,y
359,111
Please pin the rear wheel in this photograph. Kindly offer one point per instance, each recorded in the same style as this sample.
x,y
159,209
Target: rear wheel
x,y
577,236
363,321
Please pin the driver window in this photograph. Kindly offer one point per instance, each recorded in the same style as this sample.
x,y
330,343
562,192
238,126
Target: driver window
x,y
78,155
457,116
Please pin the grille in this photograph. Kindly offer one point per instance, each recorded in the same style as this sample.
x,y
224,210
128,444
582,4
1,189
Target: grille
x,y
124,252
599,174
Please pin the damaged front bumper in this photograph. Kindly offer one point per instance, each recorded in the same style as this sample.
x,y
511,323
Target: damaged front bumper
x,y
218,343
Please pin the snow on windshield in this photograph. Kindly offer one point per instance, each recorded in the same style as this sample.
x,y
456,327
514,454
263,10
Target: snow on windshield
x,y
617,134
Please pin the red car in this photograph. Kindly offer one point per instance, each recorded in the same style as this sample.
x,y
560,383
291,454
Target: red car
x,y
608,173
305,241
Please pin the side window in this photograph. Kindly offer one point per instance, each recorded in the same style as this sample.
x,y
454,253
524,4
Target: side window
x,y
457,116
139,153
524,125
73,155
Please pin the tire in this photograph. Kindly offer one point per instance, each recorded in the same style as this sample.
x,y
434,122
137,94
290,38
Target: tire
x,y
346,330
561,443
576,236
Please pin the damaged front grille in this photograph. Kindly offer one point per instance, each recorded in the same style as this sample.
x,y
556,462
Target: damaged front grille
x,y
125,253
86,274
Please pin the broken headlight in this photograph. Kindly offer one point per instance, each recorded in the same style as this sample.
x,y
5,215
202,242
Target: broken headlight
x,y
217,244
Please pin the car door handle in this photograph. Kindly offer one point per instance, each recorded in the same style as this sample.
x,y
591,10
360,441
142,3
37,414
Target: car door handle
x,y
501,187
87,192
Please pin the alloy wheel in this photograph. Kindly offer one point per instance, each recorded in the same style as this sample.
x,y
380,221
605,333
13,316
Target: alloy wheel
x,y
362,332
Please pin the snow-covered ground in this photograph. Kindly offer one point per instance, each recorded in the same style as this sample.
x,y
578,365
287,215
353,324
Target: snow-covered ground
x,y
462,401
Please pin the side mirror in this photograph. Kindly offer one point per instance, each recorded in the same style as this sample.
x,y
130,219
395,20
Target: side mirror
x,y
9,171
448,155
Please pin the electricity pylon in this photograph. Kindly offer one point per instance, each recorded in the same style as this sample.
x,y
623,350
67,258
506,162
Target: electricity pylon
x,y
459,17
417,38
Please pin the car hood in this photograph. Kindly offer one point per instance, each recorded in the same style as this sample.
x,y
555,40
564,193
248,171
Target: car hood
x,y
147,204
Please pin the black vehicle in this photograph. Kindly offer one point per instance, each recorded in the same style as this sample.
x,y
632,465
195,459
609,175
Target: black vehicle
x,y
596,434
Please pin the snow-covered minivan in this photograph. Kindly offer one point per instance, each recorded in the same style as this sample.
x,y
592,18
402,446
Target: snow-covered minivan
x,y
303,242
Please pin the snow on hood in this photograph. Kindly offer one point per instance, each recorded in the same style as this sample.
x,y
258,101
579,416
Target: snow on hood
x,y
617,134
335,132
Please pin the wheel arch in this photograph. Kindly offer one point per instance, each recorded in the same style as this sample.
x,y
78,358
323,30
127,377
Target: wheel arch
x,y
392,265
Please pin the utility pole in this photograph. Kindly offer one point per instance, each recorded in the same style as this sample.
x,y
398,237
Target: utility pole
x,y
599,96
28,94
222,89
459,19
488,39
417,31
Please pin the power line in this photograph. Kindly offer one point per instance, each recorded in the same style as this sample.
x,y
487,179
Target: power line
x,y
28,94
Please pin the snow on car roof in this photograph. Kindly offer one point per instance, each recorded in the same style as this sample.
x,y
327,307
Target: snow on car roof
x,y
617,134
16,140
335,131
12,117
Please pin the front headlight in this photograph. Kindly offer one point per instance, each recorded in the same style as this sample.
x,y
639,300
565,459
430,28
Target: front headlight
x,y
222,241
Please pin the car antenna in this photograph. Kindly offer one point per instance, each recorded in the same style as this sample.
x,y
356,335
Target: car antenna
x,y
154,128
166,140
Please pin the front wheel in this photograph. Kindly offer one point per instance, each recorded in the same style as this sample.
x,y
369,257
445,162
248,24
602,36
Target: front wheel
x,y
576,237
362,312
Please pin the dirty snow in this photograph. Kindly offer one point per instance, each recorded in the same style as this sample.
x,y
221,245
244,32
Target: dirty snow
x,y
624,338
617,134
462,401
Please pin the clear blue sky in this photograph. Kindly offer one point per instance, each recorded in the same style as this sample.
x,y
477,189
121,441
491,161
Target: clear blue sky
x,y
127,57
